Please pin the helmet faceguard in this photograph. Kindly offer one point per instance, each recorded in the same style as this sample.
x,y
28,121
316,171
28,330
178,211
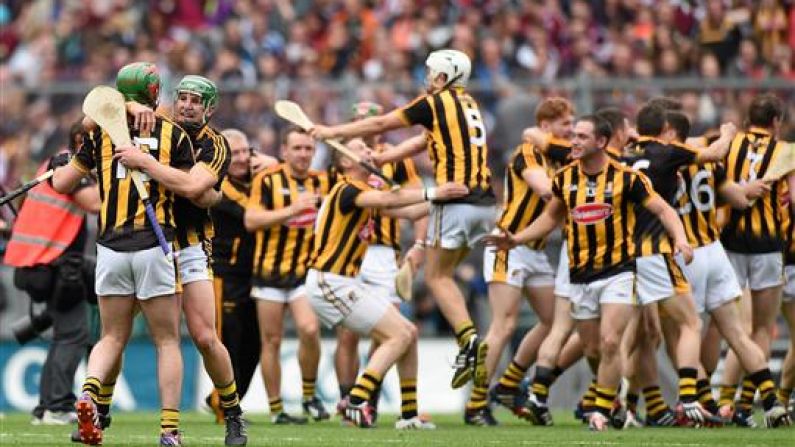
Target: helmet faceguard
x,y
202,87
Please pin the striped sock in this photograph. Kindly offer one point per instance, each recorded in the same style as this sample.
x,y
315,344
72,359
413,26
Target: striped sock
x,y
783,395
589,398
655,405
604,399
464,331
92,386
169,420
513,375
763,382
308,388
687,384
408,398
365,385
105,397
746,400
705,397
230,401
727,394
541,384
276,405
477,399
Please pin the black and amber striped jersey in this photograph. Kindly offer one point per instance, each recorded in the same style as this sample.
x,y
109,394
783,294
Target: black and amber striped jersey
x,y
123,225
614,153
387,229
212,153
521,206
557,153
233,246
601,218
282,251
456,141
661,163
695,202
342,231
757,229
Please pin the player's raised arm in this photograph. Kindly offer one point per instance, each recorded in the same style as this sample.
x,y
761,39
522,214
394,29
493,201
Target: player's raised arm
x,y
719,148
405,149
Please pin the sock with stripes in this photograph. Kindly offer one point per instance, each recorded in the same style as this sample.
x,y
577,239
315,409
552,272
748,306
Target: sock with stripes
x,y
365,385
345,390
463,332
632,401
727,393
477,398
747,393
92,386
687,384
276,405
230,401
169,420
655,405
375,396
783,395
705,397
763,382
308,386
589,398
604,400
541,384
105,397
408,398
513,374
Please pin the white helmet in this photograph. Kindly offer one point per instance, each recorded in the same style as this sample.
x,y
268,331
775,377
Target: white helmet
x,y
453,63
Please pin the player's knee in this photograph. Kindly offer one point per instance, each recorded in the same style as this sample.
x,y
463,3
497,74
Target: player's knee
x,y
205,340
407,334
609,344
308,331
272,339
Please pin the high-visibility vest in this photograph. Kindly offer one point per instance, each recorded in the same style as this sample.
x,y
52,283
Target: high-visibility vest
x,y
46,226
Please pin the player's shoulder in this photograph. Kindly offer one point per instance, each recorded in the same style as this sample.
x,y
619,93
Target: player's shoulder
x,y
270,171
566,169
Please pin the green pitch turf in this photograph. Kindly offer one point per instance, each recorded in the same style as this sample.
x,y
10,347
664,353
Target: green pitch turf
x,y
141,429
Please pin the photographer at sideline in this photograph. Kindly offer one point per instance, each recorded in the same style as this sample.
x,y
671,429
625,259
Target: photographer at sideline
x,y
46,247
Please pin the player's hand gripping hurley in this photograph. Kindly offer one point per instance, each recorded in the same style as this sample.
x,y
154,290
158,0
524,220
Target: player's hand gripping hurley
x,y
292,112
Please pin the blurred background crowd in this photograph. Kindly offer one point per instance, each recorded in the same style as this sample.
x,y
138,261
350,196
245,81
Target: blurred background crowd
x,y
713,54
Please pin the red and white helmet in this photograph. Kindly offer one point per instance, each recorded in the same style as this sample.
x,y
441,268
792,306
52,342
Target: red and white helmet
x,y
453,63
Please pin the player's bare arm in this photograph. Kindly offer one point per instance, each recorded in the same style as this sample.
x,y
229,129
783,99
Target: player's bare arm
x,y
552,216
536,137
673,225
742,196
538,180
362,128
189,184
405,149
719,148
388,199
66,178
257,217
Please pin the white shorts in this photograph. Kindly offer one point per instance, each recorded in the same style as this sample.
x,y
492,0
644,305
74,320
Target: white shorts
x,y
341,299
562,284
758,271
145,273
586,299
378,271
278,295
519,267
711,277
789,286
194,263
459,225
659,277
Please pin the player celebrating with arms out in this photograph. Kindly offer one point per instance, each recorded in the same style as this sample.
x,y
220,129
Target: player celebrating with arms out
x,y
599,195
342,231
456,142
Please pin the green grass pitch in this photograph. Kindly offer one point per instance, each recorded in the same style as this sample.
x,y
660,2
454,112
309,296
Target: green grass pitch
x,y
141,429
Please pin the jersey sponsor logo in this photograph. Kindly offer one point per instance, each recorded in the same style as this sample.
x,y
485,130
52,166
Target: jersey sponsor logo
x,y
304,220
591,213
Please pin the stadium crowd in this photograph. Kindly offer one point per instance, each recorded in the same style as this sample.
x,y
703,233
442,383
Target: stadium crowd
x,y
296,47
